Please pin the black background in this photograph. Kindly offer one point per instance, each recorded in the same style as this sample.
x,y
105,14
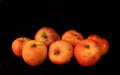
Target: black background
x,y
24,20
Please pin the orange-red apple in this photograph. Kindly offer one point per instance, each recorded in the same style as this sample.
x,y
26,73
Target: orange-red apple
x,y
87,52
47,35
72,36
104,44
60,52
17,45
34,52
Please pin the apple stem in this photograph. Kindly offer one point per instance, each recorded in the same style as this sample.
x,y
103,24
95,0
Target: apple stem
x,y
22,41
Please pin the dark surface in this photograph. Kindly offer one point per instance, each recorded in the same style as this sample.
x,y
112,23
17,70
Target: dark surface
x,y
16,23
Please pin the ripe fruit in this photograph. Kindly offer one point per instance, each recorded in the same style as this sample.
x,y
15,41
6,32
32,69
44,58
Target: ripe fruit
x,y
72,36
87,52
104,44
47,35
34,52
60,52
17,45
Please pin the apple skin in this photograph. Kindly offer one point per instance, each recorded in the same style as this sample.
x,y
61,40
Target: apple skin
x,y
87,52
60,52
17,45
47,35
104,44
72,36
34,52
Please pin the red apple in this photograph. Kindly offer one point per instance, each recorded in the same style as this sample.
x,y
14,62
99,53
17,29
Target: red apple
x,y
17,45
34,52
72,36
47,35
60,52
87,52
104,44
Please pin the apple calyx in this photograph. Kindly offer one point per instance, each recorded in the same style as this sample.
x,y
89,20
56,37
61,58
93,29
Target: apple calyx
x,y
56,52
76,36
34,45
87,46
44,35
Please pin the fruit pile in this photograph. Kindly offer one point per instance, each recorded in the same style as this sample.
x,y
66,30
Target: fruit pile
x,y
60,50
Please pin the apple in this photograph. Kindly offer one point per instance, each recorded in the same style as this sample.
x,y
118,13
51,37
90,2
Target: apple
x,y
104,44
47,35
17,45
87,52
72,36
60,52
34,52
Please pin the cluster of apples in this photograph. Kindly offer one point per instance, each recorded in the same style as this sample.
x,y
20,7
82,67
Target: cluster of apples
x,y
60,50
